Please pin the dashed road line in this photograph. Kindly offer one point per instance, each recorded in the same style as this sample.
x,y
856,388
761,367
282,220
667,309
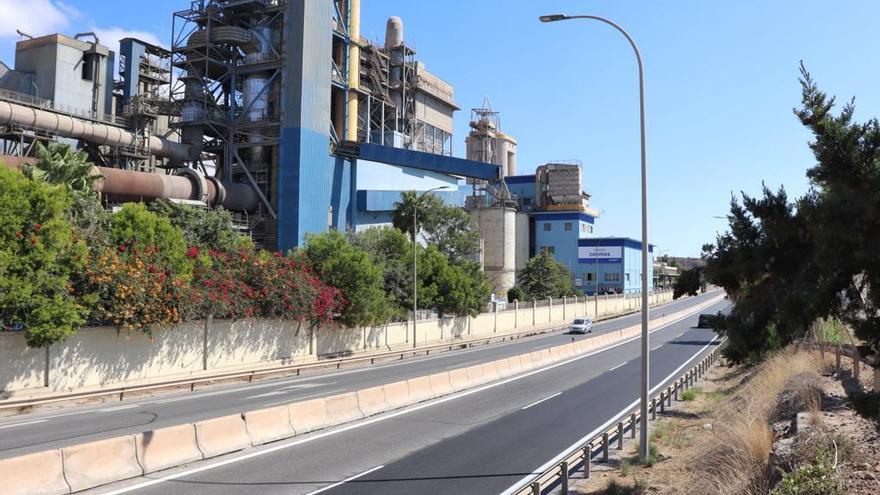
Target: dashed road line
x,y
545,399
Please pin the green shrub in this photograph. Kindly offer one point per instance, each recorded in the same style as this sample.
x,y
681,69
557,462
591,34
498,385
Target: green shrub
x,y
39,253
516,293
689,395
341,264
816,479
134,230
203,228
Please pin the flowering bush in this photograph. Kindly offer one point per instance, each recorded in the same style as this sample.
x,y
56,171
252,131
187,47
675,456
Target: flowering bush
x,y
134,291
259,284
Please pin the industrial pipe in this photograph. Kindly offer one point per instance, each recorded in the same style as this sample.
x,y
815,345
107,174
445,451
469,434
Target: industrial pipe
x,y
127,185
101,134
354,69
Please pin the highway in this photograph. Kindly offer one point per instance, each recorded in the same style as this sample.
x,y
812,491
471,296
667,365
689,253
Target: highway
x,y
39,431
478,441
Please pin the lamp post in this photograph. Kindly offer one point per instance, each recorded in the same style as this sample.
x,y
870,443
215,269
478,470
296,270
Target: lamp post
x,y
645,384
416,256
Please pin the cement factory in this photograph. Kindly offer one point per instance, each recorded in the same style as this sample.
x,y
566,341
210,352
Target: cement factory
x,y
281,112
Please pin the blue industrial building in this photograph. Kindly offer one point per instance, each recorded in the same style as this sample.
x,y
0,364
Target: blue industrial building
x,y
612,265
562,224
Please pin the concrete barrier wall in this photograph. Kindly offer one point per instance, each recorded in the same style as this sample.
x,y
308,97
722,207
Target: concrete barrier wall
x,y
23,368
100,356
34,474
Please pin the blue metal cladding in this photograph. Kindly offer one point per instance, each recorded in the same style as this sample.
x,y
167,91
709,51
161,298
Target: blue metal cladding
x,y
614,241
342,195
131,51
375,201
520,179
307,171
625,272
571,216
429,161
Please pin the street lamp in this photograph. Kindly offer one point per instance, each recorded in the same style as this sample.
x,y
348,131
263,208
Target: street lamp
x,y
418,200
645,385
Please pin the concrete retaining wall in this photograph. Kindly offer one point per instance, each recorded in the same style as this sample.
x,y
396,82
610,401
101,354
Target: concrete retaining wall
x,y
101,357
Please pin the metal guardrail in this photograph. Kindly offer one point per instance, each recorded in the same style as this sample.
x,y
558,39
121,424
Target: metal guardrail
x,y
581,456
287,369
44,104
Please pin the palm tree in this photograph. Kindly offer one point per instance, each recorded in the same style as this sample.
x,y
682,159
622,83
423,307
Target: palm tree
x,y
60,165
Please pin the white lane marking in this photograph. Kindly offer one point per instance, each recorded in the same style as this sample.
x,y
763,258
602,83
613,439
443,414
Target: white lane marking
x,y
679,335
542,400
270,394
119,408
23,424
523,482
463,365
304,397
307,385
656,347
385,417
368,471
619,366
190,397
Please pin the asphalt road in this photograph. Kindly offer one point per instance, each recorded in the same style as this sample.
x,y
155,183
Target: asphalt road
x,y
72,425
479,441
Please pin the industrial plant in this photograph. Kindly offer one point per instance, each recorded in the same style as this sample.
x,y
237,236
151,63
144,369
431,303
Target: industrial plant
x,y
282,113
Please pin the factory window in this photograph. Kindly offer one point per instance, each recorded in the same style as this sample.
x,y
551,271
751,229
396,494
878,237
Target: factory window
x,y
589,277
568,227
627,277
527,201
88,67
612,277
548,226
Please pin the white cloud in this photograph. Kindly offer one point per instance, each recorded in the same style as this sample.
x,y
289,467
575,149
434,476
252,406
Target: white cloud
x,y
34,17
110,36
41,17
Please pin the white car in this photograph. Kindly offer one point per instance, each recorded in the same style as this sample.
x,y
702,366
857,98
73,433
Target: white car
x,y
581,325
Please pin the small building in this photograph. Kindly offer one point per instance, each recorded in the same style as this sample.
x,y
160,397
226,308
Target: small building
x,y
665,274
612,265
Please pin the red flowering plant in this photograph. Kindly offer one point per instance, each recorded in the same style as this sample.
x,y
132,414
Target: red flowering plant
x,y
249,284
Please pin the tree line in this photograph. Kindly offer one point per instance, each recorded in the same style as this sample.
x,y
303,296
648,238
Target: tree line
x,y
65,262
790,262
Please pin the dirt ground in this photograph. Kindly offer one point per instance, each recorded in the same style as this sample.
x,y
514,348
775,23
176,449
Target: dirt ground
x,y
688,423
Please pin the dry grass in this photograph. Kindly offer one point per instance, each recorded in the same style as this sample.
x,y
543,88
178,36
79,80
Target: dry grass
x,y
735,458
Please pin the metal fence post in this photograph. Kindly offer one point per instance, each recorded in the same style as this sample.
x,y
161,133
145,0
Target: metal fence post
x,y
669,396
632,425
536,488
588,454
675,389
515,313
653,408
605,447
564,480
662,403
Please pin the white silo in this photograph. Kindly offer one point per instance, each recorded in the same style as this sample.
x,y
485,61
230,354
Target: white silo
x,y
498,232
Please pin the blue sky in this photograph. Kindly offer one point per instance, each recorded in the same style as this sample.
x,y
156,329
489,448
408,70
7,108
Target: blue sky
x,y
721,78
